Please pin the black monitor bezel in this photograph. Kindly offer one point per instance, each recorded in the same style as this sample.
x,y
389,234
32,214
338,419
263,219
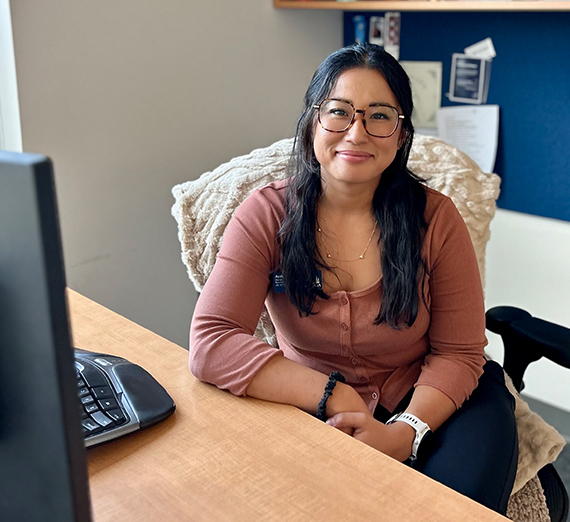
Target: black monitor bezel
x,y
44,473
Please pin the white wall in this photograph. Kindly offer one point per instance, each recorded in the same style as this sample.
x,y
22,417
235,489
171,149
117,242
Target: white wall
x,y
10,131
130,98
528,266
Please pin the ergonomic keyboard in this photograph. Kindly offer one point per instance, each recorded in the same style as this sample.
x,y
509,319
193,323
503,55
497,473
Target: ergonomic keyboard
x,y
117,397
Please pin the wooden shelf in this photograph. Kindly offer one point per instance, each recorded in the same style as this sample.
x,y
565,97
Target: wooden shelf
x,y
428,5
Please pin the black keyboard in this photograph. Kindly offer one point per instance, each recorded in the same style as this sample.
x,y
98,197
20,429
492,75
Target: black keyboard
x,y
117,397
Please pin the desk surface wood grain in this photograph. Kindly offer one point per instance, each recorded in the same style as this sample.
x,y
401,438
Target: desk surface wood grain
x,y
226,458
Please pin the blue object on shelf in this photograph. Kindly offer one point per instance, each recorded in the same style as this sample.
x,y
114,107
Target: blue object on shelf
x,y
359,28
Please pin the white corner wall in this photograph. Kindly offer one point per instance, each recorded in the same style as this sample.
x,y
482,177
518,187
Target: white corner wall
x,y
528,266
130,98
10,132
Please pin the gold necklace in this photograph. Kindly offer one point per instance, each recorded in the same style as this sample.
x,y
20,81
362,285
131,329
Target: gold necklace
x,y
361,256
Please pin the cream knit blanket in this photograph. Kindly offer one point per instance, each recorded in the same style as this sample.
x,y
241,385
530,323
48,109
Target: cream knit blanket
x,y
204,206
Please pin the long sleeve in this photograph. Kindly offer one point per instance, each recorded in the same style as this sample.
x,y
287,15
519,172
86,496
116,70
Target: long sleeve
x,y
457,312
223,350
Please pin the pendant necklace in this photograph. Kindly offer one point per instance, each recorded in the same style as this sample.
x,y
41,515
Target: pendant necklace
x,y
361,256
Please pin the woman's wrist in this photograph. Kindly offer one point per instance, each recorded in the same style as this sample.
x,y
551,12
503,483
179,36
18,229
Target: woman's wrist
x,y
404,433
334,379
345,398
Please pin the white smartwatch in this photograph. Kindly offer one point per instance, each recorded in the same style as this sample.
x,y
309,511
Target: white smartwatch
x,y
422,430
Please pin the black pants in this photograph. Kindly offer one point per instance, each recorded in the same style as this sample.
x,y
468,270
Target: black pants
x,y
475,452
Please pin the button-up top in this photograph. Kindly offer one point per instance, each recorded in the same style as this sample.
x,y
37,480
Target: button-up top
x,y
444,347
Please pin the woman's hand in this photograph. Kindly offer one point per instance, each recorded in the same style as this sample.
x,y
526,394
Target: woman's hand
x,y
345,399
394,440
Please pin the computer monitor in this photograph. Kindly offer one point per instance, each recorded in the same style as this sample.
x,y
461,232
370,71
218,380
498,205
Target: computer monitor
x,y
43,471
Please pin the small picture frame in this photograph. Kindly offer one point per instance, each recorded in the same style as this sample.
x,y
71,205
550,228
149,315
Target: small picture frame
x,y
392,28
376,31
469,80
392,33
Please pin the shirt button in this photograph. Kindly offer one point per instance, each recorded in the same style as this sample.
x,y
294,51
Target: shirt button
x,y
344,301
354,361
362,378
344,326
374,395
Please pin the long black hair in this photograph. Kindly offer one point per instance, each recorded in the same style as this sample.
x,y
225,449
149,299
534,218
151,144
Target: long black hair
x,y
398,203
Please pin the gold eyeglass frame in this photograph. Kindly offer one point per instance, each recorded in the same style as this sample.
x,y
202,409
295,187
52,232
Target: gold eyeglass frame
x,y
354,113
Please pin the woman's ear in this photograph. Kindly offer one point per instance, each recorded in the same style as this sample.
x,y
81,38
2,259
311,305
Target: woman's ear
x,y
402,138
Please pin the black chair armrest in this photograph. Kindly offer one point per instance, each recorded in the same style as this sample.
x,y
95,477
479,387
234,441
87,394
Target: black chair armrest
x,y
527,339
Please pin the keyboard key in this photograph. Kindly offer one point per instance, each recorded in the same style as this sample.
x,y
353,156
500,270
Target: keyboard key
x,y
83,391
93,377
102,392
90,408
107,404
91,426
116,415
102,419
86,399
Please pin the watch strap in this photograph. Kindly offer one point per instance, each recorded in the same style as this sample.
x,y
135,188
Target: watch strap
x,y
421,428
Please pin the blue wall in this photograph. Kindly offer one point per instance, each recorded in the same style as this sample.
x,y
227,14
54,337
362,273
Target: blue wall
x,y
530,81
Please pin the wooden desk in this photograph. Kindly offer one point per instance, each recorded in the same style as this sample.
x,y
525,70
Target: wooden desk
x,y
224,458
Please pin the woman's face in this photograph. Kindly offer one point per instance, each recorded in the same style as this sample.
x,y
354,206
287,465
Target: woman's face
x,y
353,156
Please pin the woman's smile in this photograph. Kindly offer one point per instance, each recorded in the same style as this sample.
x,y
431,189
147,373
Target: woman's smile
x,y
354,156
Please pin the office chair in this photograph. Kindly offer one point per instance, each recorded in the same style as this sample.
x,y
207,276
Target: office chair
x,y
527,339
203,207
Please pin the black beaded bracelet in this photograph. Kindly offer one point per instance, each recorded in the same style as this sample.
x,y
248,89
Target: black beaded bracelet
x,y
334,377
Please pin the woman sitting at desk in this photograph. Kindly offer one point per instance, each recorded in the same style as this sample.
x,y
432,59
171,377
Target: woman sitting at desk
x,y
371,281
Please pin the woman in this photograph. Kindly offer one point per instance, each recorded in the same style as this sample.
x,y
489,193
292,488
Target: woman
x,y
372,284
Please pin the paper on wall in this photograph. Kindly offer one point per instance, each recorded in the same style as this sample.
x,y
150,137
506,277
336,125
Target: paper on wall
x,y
426,90
471,73
469,79
483,49
473,130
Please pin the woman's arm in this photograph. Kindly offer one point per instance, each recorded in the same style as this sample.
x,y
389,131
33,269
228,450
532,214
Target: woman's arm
x,y
457,308
431,406
223,349
286,381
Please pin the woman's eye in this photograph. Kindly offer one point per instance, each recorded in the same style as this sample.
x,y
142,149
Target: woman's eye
x,y
338,112
379,115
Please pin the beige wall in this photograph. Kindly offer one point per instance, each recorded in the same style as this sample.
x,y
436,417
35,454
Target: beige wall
x,y
132,97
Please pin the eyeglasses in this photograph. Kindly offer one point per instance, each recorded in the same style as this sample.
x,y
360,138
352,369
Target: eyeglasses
x,y
380,121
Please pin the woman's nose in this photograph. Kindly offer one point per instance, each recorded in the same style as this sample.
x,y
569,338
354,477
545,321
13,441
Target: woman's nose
x,y
357,131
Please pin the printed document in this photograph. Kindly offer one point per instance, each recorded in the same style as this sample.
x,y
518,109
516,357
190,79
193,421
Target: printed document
x,y
473,130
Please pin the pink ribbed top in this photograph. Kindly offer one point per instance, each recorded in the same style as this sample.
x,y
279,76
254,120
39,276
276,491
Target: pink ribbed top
x,y
443,349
